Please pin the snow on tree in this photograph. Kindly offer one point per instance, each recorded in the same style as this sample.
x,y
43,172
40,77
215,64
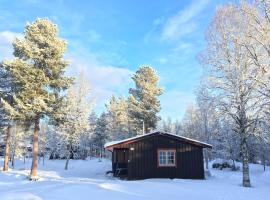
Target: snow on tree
x,y
257,17
75,122
207,118
18,143
170,126
55,143
117,118
9,87
39,67
191,122
167,125
226,143
101,133
143,102
44,139
233,76
86,143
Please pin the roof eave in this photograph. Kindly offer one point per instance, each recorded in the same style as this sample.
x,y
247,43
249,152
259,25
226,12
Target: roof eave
x,y
188,140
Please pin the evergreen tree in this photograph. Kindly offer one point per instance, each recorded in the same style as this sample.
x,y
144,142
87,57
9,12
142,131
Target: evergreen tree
x,y
86,143
143,102
101,132
39,67
118,121
167,125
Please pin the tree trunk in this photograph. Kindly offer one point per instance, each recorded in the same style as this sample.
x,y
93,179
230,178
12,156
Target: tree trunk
x,y
67,161
101,153
246,178
14,154
7,149
33,174
263,162
13,160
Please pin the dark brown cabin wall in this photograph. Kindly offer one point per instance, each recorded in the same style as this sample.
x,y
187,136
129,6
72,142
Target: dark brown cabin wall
x,y
113,168
130,164
143,159
201,163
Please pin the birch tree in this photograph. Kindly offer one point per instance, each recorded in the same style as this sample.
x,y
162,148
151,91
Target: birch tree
x,y
207,118
18,143
75,118
39,67
233,76
190,122
257,18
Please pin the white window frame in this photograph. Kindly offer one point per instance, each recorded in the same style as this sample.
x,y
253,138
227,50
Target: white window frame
x,y
165,158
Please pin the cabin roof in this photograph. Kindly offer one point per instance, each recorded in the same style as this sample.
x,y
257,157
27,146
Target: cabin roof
x,y
116,144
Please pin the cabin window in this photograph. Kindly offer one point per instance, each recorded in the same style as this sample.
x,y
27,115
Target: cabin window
x,y
166,158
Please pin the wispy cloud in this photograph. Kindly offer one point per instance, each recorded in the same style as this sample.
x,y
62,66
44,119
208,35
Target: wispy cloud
x,y
176,27
156,24
105,80
184,21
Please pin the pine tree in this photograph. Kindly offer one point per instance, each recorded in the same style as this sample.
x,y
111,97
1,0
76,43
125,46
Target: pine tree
x,y
118,120
101,133
143,102
167,125
39,67
86,143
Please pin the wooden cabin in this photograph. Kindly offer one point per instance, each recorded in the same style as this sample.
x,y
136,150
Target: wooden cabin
x,y
157,155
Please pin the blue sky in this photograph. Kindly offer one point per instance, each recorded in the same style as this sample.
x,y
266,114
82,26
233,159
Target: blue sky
x,y
110,39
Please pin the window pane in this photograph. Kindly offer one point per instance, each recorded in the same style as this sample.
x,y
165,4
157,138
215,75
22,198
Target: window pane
x,y
166,158
162,157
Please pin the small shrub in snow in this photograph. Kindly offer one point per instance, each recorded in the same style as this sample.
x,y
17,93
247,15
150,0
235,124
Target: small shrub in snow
x,y
221,164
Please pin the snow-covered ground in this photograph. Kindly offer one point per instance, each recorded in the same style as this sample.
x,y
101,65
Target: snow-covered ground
x,y
87,180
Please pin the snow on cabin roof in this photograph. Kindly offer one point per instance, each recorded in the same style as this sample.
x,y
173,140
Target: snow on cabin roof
x,y
196,142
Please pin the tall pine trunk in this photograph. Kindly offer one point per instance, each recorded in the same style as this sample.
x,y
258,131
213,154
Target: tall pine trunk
x,y
7,149
245,158
33,174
